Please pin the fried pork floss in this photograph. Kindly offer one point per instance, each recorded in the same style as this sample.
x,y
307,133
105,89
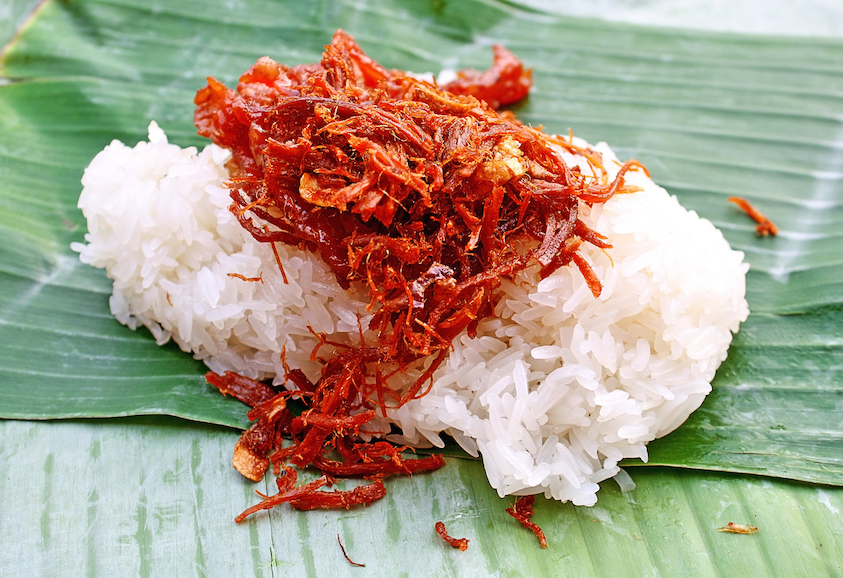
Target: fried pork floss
x,y
765,225
424,194
460,543
522,510
273,420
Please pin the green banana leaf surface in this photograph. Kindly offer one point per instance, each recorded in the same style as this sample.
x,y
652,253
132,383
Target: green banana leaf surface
x,y
711,115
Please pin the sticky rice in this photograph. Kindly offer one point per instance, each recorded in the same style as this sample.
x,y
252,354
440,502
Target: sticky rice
x,y
552,392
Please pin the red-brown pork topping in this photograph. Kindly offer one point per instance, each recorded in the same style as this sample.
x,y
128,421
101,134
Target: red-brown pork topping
x,y
425,195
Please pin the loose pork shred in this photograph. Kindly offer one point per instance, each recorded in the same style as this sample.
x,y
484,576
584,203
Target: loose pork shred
x,y
425,195
522,510
765,225
459,543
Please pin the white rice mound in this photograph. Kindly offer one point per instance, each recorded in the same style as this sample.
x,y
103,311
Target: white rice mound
x,y
552,393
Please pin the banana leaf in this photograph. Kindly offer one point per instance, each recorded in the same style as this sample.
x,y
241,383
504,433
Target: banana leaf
x,y
711,115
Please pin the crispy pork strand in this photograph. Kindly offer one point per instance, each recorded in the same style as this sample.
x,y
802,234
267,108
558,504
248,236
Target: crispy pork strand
x,y
309,431
308,497
522,510
765,225
460,543
426,195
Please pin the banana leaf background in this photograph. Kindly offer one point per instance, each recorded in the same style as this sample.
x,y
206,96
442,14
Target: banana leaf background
x,y
115,455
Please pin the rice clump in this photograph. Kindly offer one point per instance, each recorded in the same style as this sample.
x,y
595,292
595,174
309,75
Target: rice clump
x,y
552,393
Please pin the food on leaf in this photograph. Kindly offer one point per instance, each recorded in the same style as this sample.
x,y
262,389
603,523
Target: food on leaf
x,y
407,261
522,510
459,543
765,226
733,528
